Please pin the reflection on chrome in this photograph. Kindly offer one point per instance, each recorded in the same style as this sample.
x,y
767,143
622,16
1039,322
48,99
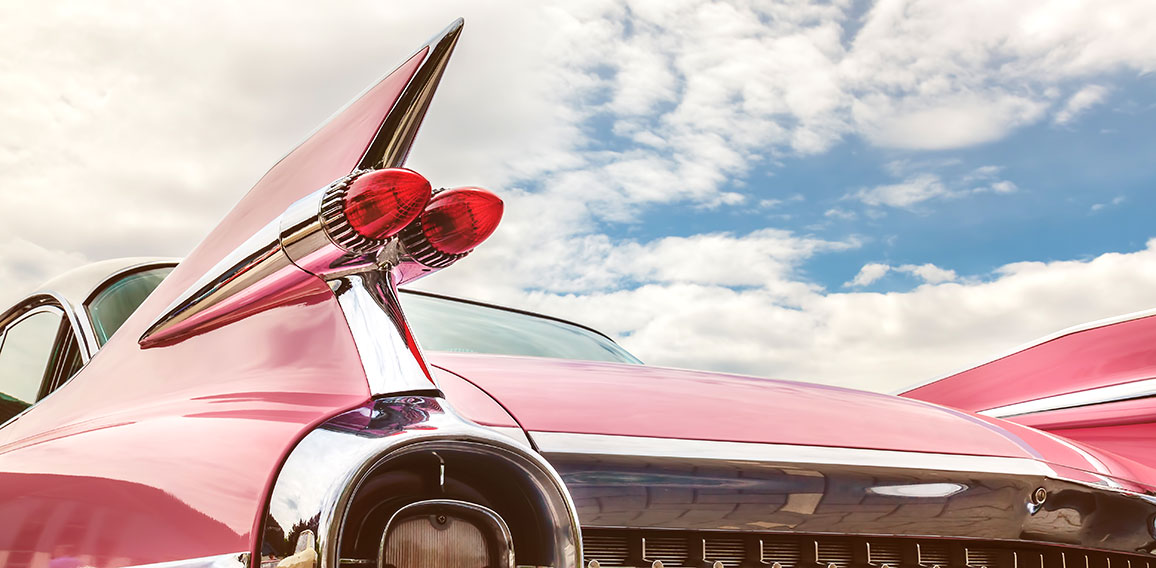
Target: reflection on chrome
x,y
768,492
917,490
346,479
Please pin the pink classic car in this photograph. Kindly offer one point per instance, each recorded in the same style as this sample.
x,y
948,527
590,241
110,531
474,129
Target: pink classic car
x,y
264,402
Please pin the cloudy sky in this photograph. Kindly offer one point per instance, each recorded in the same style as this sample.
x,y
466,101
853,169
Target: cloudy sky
x,y
861,193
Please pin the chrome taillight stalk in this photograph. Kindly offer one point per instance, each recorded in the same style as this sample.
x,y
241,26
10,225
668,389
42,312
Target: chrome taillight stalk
x,y
389,353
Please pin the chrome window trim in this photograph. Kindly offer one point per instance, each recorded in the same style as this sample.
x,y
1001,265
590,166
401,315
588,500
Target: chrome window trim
x,y
1024,347
1100,395
233,560
14,316
48,298
611,445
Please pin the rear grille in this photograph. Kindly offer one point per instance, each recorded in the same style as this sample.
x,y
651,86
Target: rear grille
x,y
633,548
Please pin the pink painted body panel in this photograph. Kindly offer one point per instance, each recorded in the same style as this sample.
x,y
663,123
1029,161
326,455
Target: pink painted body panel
x,y
1127,427
1102,356
186,439
472,402
1106,355
604,398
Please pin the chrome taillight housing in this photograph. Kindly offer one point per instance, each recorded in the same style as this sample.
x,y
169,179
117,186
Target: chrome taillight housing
x,y
387,221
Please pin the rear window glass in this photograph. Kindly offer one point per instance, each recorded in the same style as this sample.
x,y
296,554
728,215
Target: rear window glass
x,y
112,306
442,324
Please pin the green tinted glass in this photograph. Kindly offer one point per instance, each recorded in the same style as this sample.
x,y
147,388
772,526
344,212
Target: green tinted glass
x,y
112,306
24,356
446,325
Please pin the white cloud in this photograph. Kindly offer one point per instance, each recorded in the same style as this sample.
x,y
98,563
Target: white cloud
x,y
24,264
872,272
1003,186
929,273
919,188
1083,100
859,339
943,122
1115,201
837,213
912,191
869,274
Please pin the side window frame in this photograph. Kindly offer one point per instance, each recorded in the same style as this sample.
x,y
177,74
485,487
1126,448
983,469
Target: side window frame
x,y
54,376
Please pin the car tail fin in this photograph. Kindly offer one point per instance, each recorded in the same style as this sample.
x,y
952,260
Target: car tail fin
x,y
374,130
337,205
1094,383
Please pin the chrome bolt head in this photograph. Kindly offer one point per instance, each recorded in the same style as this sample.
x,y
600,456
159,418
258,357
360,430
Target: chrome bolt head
x,y
1039,496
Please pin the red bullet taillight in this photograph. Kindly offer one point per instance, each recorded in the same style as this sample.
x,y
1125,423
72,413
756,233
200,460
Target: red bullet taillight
x,y
380,203
453,223
457,220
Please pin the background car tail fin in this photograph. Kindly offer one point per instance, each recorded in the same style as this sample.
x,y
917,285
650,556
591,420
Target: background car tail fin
x,y
1094,383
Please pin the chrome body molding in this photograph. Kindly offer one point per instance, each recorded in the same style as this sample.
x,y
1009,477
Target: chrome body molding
x,y
224,290
690,485
235,560
598,444
390,147
319,481
1100,395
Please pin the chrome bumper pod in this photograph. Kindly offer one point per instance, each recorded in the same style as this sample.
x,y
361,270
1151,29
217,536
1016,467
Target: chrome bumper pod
x,y
316,495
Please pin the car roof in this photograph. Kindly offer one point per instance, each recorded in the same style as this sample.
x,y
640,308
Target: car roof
x,y
78,284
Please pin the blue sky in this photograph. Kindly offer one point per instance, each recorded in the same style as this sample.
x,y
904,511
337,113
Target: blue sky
x,y
1082,188
860,193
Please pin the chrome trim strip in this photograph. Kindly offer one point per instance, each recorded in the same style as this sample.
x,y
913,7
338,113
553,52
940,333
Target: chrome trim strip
x,y
1024,347
742,488
515,433
391,146
208,299
234,560
637,446
1101,395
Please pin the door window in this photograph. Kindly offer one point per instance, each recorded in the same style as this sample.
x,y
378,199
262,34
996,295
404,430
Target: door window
x,y
25,354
